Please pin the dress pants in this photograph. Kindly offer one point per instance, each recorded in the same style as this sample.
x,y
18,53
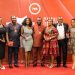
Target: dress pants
x,y
36,52
12,50
62,52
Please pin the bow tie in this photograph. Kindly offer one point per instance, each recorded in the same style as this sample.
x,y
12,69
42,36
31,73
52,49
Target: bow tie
x,y
60,24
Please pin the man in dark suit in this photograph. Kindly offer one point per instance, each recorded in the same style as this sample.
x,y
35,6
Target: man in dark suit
x,y
62,41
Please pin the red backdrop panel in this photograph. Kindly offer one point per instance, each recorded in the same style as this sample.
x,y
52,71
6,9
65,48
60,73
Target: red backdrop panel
x,y
48,8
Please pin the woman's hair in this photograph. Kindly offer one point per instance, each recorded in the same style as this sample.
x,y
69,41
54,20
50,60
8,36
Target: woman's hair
x,y
24,22
49,19
73,19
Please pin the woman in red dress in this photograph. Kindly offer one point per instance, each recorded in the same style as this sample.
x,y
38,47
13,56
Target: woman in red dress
x,y
50,45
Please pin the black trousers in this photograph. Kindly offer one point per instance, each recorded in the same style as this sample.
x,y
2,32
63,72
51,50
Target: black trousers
x,y
36,51
12,50
62,52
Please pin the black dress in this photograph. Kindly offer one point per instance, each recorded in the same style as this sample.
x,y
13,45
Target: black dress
x,y
2,47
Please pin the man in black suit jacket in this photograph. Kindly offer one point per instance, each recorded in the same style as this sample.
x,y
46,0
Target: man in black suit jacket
x,y
62,41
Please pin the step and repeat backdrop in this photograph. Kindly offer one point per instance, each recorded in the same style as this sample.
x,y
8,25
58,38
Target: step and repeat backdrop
x,y
37,8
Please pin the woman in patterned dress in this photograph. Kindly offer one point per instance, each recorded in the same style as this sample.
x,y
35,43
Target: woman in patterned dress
x,y
50,45
27,40
72,41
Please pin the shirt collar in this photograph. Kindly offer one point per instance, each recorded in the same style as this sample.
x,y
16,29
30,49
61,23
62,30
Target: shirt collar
x,y
59,24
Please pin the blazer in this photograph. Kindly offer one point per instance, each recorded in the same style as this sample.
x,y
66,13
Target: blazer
x,y
66,28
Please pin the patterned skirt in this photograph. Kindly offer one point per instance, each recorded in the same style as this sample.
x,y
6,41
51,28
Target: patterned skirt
x,y
50,48
71,45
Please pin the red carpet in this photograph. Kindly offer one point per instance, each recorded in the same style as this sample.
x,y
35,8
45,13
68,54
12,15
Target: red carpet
x,y
37,71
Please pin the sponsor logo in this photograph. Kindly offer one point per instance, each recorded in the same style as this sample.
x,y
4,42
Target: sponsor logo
x,y
34,8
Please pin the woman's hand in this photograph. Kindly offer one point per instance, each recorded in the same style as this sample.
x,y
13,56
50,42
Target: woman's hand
x,y
67,35
2,40
50,38
47,39
23,36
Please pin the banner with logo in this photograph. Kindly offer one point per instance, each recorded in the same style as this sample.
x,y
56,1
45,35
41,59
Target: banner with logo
x,y
38,8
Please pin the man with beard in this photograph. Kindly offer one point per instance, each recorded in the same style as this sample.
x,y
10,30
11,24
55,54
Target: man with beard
x,y
37,40
63,30
13,41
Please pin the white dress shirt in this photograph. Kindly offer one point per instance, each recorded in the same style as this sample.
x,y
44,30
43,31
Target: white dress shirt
x,y
61,31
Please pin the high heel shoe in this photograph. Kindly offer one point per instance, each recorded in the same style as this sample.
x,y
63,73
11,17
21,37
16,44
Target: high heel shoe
x,y
2,68
73,67
50,66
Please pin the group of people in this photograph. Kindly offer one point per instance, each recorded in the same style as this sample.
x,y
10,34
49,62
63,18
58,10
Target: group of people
x,y
44,40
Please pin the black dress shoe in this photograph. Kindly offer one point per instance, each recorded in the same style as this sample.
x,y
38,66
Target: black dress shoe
x,y
10,66
16,65
42,65
34,65
64,66
58,65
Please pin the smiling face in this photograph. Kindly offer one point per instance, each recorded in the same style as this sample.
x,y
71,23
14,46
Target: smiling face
x,y
50,22
27,21
39,21
73,22
13,19
60,20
